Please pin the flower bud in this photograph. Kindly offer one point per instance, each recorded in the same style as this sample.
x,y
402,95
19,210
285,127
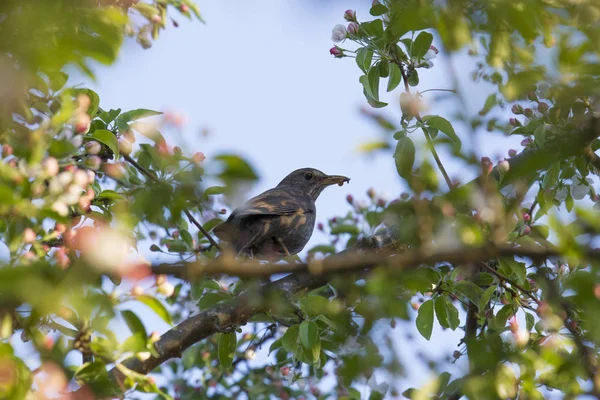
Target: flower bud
x,y
381,202
160,279
526,230
129,136
543,107
154,248
199,157
177,150
137,290
350,15
91,176
528,112
77,141
114,170
512,152
503,166
154,337
93,147
82,123
532,96
125,146
167,289
514,122
320,227
7,150
350,199
353,28
60,208
80,178
184,8
371,193
284,371
29,235
50,166
336,52
93,162
517,109
526,217
156,19
526,142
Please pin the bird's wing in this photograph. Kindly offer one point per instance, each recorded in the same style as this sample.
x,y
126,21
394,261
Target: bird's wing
x,y
275,202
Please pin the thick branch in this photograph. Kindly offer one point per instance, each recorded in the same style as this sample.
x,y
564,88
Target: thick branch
x,y
342,262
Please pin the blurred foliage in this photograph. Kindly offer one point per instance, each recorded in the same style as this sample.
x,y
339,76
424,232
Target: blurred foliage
x,y
85,190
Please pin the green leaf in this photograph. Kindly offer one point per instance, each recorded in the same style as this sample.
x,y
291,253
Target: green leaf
x,y
486,296
345,228
109,139
157,306
446,313
322,248
517,268
421,45
289,339
364,56
405,156
529,321
57,80
443,125
314,305
108,195
308,333
395,77
441,311
210,299
469,290
214,190
373,79
551,177
453,319
413,78
490,102
227,347
384,69
425,319
124,119
138,339
373,28
378,9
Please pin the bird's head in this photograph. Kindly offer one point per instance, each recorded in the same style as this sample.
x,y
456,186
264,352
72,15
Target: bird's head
x,y
312,181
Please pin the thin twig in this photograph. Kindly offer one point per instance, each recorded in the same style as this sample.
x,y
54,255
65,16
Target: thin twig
x,y
436,157
153,178
511,282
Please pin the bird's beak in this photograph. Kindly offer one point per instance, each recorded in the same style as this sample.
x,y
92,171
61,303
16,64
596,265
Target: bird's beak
x,y
334,179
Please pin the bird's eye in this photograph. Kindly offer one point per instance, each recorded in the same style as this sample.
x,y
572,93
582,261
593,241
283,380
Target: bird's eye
x,y
308,176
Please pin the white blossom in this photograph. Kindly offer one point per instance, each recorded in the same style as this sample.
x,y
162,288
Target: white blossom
x,y
561,194
579,190
351,346
338,33
380,387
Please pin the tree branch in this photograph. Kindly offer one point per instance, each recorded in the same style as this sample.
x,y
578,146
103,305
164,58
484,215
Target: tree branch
x,y
228,315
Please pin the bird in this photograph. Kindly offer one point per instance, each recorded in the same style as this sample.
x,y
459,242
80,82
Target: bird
x,y
280,221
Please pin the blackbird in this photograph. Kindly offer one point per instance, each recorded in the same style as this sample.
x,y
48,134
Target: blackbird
x,y
280,221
